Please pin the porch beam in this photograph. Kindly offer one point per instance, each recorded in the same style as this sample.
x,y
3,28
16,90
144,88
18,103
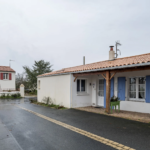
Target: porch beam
x,y
75,78
103,76
112,75
108,92
131,69
89,73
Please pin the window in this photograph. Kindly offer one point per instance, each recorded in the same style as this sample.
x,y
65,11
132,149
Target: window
x,y
39,84
5,75
101,88
132,87
81,85
137,88
141,92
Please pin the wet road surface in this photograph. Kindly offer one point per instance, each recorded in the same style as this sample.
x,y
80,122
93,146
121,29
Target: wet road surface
x,y
20,129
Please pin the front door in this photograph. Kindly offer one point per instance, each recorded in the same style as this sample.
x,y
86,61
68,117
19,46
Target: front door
x,y
100,101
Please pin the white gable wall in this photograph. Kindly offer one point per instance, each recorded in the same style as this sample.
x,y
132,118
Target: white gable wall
x,y
55,87
8,84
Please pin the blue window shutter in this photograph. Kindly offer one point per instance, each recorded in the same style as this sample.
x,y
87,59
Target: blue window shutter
x,y
147,89
112,88
121,88
104,93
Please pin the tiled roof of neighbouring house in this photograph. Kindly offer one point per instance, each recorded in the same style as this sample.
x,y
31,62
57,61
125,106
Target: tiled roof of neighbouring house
x,y
6,68
125,61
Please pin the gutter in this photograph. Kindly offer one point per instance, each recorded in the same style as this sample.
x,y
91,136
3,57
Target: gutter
x,y
54,75
102,69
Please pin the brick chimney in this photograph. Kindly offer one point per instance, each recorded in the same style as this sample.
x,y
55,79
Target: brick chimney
x,y
111,53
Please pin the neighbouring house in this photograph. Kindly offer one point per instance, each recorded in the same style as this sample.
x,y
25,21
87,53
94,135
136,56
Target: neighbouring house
x,y
94,84
7,79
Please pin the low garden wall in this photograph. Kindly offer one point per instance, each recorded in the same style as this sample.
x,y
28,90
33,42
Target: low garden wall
x,y
10,93
13,93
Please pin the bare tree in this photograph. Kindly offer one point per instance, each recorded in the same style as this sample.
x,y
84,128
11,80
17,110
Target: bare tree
x,y
21,79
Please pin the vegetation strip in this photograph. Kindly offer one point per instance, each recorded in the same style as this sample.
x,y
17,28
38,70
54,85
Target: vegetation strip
x,y
95,137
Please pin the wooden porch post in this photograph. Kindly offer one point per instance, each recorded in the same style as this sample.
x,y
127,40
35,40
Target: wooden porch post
x,y
108,92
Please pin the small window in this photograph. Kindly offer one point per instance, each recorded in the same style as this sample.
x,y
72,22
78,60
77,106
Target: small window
x,y
81,85
39,84
5,75
78,85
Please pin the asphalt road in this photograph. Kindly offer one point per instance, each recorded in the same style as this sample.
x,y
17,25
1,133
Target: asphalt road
x,y
22,130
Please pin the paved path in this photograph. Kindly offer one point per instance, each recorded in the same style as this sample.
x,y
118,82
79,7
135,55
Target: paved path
x,y
29,131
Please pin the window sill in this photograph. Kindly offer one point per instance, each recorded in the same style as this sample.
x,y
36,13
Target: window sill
x,y
136,100
5,79
83,94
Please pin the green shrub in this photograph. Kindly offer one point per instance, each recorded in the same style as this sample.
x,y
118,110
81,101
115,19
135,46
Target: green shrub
x,y
7,96
14,95
3,96
47,100
33,92
114,99
18,95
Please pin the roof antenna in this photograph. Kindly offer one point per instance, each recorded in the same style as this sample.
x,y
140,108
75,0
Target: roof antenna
x,y
10,62
117,44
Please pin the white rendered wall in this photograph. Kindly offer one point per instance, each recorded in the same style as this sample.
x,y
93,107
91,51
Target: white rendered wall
x,y
135,106
55,87
8,84
81,99
89,98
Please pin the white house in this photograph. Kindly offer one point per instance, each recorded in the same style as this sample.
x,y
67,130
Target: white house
x,y
93,84
7,79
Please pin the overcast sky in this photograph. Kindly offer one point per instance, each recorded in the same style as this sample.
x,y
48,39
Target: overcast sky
x,y
63,31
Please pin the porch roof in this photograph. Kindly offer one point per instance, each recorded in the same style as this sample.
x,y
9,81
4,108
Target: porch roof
x,y
131,61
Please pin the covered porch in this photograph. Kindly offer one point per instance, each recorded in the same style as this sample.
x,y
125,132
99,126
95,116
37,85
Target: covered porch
x,y
116,82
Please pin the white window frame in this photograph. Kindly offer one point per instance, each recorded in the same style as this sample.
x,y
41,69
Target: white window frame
x,y
4,76
137,89
80,86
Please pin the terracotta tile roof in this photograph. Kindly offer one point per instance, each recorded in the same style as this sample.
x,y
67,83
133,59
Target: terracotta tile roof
x,y
6,68
137,59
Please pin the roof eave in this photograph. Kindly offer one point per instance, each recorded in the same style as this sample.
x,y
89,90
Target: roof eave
x,y
101,69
